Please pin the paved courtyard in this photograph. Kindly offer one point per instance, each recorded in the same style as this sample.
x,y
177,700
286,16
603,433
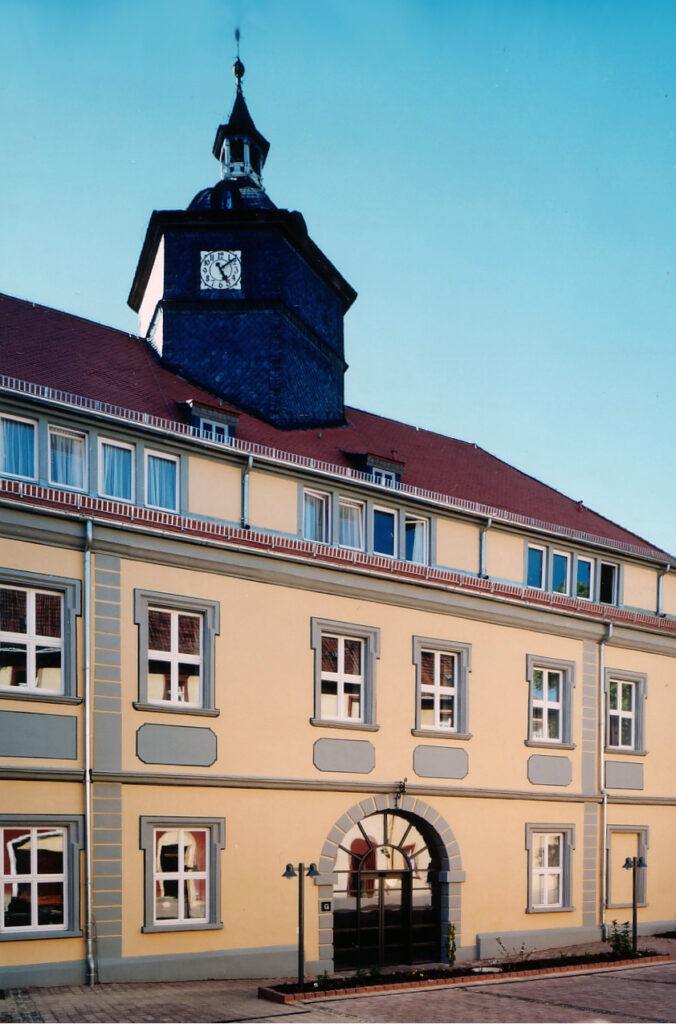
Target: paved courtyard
x,y
624,994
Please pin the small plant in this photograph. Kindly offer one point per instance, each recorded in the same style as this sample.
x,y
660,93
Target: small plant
x,y
361,974
522,953
451,948
620,939
374,972
323,980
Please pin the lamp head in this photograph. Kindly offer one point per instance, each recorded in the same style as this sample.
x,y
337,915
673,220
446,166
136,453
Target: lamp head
x,y
628,864
290,872
312,871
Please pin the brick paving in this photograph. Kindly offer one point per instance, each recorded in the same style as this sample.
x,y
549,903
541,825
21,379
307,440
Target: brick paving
x,y
627,994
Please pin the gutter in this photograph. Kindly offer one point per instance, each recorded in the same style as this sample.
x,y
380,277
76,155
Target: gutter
x,y
89,536
602,778
660,589
246,470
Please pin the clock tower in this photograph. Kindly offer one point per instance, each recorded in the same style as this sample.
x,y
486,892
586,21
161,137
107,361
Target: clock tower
x,y
234,294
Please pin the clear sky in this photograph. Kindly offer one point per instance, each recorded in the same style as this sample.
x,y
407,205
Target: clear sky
x,y
494,177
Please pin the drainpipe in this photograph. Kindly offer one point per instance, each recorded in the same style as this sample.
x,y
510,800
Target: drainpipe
x,y
660,589
89,535
245,493
482,548
602,777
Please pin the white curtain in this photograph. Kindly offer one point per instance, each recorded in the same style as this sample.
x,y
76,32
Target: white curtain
x,y
350,533
116,472
67,460
161,482
415,542
313,517
18,448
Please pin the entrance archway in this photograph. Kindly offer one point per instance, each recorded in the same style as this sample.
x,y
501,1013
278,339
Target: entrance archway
x,y
395,870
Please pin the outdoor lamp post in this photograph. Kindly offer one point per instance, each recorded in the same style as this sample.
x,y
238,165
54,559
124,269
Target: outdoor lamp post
x,y
633,864
291,873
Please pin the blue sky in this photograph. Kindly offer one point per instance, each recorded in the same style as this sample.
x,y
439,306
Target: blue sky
x,y
496,179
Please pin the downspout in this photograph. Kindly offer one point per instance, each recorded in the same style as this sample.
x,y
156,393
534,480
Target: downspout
x,y
245,493
602,777
482,548
89,535
660,589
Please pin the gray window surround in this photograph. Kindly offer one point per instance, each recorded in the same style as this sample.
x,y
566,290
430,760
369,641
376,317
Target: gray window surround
x,y
31,422
210,612
87,438
371,637
463,653
71,591
643,834
369,504
640,679
548,550
568,833
567,670
216,831
74,828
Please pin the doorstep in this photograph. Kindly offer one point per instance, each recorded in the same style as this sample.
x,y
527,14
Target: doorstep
x,y
274,996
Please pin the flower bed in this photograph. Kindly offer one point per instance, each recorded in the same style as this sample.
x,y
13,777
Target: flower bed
x,y
365,982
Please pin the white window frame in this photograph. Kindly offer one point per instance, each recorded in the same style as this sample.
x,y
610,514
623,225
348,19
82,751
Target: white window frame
x,y
150,453
325,499
31,640
181,876
206,425
395,530
174,657
34,878
420,520
359,505
369,637
565,555
546,706
65,432
342,679
535,834
592,577
544,840
639,683
102,441
543,571
566,671
385,477
616,582
462,656
34,425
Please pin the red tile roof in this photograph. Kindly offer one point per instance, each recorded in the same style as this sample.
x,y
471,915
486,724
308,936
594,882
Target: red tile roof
x,y
58,350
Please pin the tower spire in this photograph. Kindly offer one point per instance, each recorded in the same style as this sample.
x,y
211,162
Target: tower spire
x,y
239,147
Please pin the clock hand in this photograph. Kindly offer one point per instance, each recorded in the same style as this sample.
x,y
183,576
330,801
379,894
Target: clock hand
x,y
220,269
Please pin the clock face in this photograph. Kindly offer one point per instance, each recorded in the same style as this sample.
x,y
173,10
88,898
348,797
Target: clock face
x,y
221,268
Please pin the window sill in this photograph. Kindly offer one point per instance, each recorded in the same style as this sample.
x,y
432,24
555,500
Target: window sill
x,y
625,752
549,910
184,926
41,698
551,745
173,709
441,734
40,935
360,726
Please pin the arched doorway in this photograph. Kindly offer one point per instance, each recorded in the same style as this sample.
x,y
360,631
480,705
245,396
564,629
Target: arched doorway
x,y
387,893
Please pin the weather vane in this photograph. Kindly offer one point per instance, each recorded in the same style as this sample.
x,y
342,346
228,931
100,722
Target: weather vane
x,y
238,67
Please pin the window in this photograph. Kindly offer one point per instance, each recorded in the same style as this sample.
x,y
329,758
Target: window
x,y
67,458
584,578
550,689
316,518
383,476
415,539
535,571
549,849
176,652
560,572
608,583
626,693
624,841
182,877
214,430
39,876
350,524
345,658
37,634
116,470
384,531
161,481
17,447
441,686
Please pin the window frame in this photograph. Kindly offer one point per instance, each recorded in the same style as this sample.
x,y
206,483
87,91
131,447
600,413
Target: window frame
x,y
543,567
566,556
567,834
34,424
640,684
370,635
70,591
567,670
642,832
325,498
463,656
73,828
144,600
53,429
343,500
614,602
215,828
166,457
392,512
573,558
412,517
592,577
383,477
132,471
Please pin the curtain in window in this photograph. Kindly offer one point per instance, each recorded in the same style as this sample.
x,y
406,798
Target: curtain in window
x,y
116,472
313,517
161,482
67,460
17,448
350,526
415,541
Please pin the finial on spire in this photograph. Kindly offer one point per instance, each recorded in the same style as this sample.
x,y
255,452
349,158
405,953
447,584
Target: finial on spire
x,y
238,67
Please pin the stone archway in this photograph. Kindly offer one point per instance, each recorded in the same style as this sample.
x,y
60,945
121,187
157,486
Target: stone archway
x,y
448,864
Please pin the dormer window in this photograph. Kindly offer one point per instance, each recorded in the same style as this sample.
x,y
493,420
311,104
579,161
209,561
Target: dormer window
x,y
384,471
214,431
212,423
383,476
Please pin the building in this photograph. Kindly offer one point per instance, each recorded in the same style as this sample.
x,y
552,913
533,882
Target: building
x,y
243,625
